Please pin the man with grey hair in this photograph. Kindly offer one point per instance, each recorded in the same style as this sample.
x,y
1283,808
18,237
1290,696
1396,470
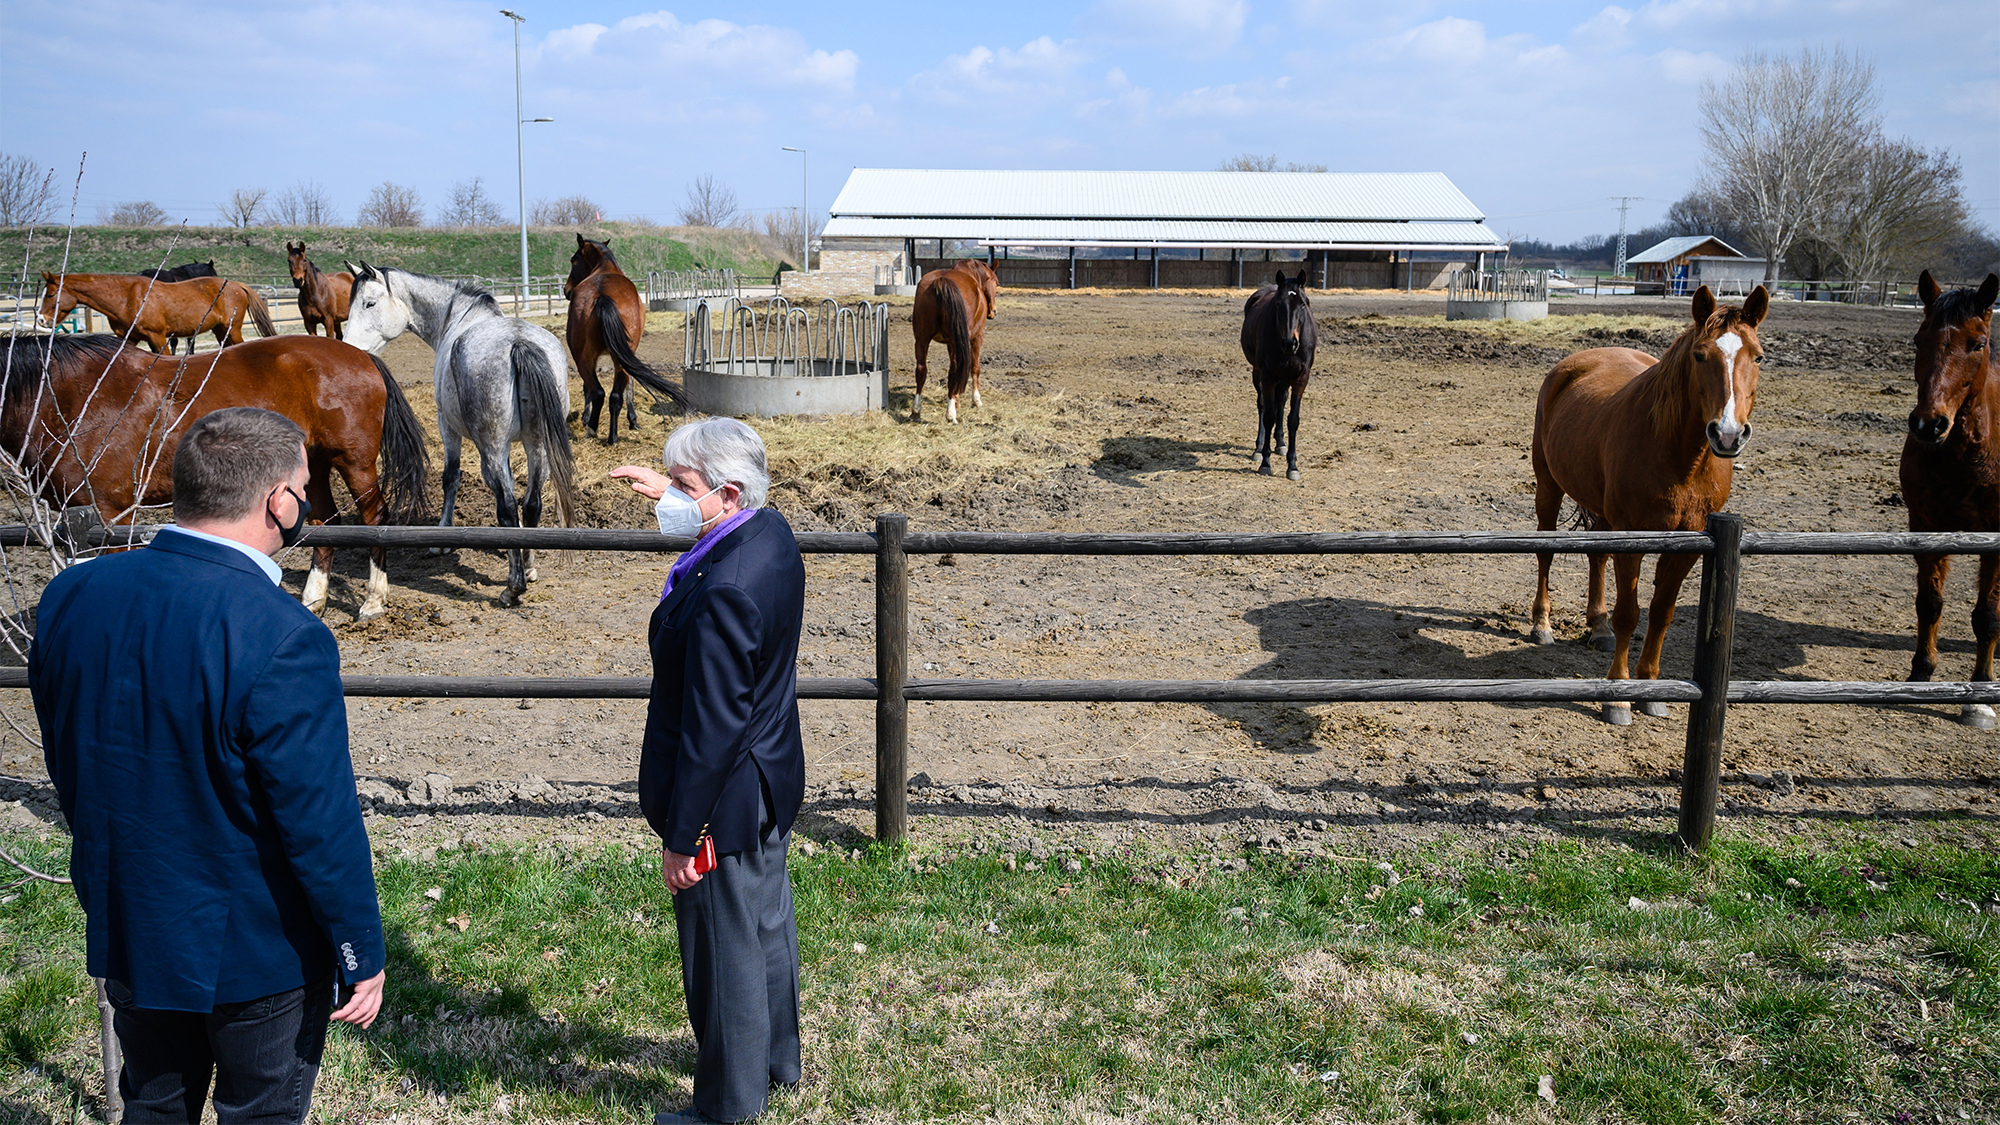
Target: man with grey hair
x,y
722,769
192,722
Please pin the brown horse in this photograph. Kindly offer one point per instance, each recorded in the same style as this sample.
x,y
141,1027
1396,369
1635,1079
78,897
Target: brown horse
x,y
953,307
1645,445
322,296
95,422
159,312
1279,340
1951,464
606,318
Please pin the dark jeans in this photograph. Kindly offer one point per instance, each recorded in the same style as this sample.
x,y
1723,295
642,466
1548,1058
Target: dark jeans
x,y
263,1055
740,969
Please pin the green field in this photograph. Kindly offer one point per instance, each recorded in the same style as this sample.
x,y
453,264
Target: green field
x,y
1845,973
259,252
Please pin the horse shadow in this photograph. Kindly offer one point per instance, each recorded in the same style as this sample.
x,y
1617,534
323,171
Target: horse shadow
x,y
1121,459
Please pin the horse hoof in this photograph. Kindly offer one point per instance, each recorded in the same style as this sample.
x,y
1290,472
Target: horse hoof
x,y
1264,470
1978,716
534,575
1542,635
1291,474
435,552
1604,644
1618,714
510,598
367,614
1653,709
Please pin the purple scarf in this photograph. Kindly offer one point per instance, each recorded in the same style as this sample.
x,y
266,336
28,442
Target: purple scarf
x,y
701,548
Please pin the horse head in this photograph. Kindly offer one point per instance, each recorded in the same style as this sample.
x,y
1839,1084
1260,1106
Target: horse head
x,y
295,257
989,282
51,311
589,256
375,314
1954,353
1294,310
1722,357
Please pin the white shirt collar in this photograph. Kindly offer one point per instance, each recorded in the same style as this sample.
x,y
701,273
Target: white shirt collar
x,y
262,560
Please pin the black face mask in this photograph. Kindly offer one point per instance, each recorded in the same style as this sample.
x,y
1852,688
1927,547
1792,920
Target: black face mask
x,y
287,536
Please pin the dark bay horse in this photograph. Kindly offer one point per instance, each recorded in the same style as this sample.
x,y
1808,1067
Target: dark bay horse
x,y
101,426
952,309
1279,340
1951,464
159,311
322,296
1645,445
606,317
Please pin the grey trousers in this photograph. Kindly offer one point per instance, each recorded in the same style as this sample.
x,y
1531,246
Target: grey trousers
x,y
740,968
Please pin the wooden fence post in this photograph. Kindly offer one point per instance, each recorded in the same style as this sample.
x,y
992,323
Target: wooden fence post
x,y
892,667
1701,769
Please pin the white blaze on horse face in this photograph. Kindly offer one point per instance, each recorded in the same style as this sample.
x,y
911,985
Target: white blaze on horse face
x,y
1729,344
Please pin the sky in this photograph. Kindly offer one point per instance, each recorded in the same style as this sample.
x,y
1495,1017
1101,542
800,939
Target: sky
x,y
1542,113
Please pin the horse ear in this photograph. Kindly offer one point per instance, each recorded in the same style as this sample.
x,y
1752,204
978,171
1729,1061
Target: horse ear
x,y
1927,288
1704,305
1754,308
579,240
1281,278
1987,292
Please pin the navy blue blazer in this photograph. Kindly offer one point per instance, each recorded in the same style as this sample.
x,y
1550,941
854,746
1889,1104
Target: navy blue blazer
x,y
723,722
192,721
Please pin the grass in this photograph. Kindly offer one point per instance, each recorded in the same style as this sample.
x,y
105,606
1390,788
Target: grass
x,y
259,252
1762,983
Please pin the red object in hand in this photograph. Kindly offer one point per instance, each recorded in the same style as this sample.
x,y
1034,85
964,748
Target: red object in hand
x,y
704,855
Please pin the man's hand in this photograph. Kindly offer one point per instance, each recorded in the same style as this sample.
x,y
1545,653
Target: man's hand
x,y
649,483
677,870
361,1007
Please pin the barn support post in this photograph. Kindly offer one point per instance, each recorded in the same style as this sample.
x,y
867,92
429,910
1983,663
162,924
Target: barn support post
x,y
1072,266
1156,267
1701,768
1236,256
1325,256
892,659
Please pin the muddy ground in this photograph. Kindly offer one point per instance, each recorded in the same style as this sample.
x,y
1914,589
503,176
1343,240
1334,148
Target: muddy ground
x,y
1133,413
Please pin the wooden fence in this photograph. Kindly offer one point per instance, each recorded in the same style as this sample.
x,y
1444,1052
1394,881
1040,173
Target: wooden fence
x,y
1709,692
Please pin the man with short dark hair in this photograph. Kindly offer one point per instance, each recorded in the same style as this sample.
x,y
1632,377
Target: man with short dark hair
x,y
193,724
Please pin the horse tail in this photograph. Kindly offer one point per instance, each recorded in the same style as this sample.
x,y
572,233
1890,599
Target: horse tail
x,y
406,463
611,327
261,313
537,390
958,322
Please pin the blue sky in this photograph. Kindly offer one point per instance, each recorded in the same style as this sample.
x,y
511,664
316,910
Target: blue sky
x,y
1540,112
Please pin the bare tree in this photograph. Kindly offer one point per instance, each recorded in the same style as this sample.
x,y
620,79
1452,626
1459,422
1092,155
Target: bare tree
x,y
243,206
569,211
27,191
781,225
1781,135
1903,204
1251,162
392,205
139,213
709,203
470,206
304,204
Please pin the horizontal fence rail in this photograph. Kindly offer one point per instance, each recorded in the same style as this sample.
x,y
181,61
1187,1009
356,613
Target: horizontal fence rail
x,y
1721,544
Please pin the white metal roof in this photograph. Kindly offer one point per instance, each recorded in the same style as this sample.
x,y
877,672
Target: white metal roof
x,y
1167,233
1324,196
1672,248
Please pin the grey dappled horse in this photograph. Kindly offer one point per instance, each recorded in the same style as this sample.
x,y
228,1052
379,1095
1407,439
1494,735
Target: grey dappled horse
x,y
499,380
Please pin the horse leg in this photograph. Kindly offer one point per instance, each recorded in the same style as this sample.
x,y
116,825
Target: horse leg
x,y
1931,572
617,402
499,477
1595,619
319,494
531,504
593,397
1624,618
1292,431
454,448
1548,506
1669,574
1260,451
365,487
923,371
1986,628
977,343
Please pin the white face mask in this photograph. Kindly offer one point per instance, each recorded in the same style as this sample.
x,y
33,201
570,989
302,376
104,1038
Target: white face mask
x,y
679,513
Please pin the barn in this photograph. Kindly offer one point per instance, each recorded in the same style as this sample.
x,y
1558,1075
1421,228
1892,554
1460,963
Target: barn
x,y
1682,265
1068,229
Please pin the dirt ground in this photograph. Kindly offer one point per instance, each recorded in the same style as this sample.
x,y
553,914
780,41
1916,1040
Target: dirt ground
x,y
1134,412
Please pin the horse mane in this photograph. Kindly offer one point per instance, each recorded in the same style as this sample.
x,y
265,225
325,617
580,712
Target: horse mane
x,y
23,372
603,250
1956,306
461,288
1673,394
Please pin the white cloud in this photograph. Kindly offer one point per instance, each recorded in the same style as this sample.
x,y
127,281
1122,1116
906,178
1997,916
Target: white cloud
x,y
1041,69
705,47
1456,42
1195,27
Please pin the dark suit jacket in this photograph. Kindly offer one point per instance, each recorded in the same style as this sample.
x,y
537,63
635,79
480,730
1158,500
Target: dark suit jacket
x,y
724,719
192,720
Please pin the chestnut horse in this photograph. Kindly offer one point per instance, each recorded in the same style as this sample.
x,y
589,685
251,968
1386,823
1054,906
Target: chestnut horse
x,y
606,317
322,296
1951,464
952,309
93,421
1279,340
1645,445
159,311
186,271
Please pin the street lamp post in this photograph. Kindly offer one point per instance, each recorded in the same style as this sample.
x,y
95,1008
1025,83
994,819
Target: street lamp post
x,y
520,157
805,223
